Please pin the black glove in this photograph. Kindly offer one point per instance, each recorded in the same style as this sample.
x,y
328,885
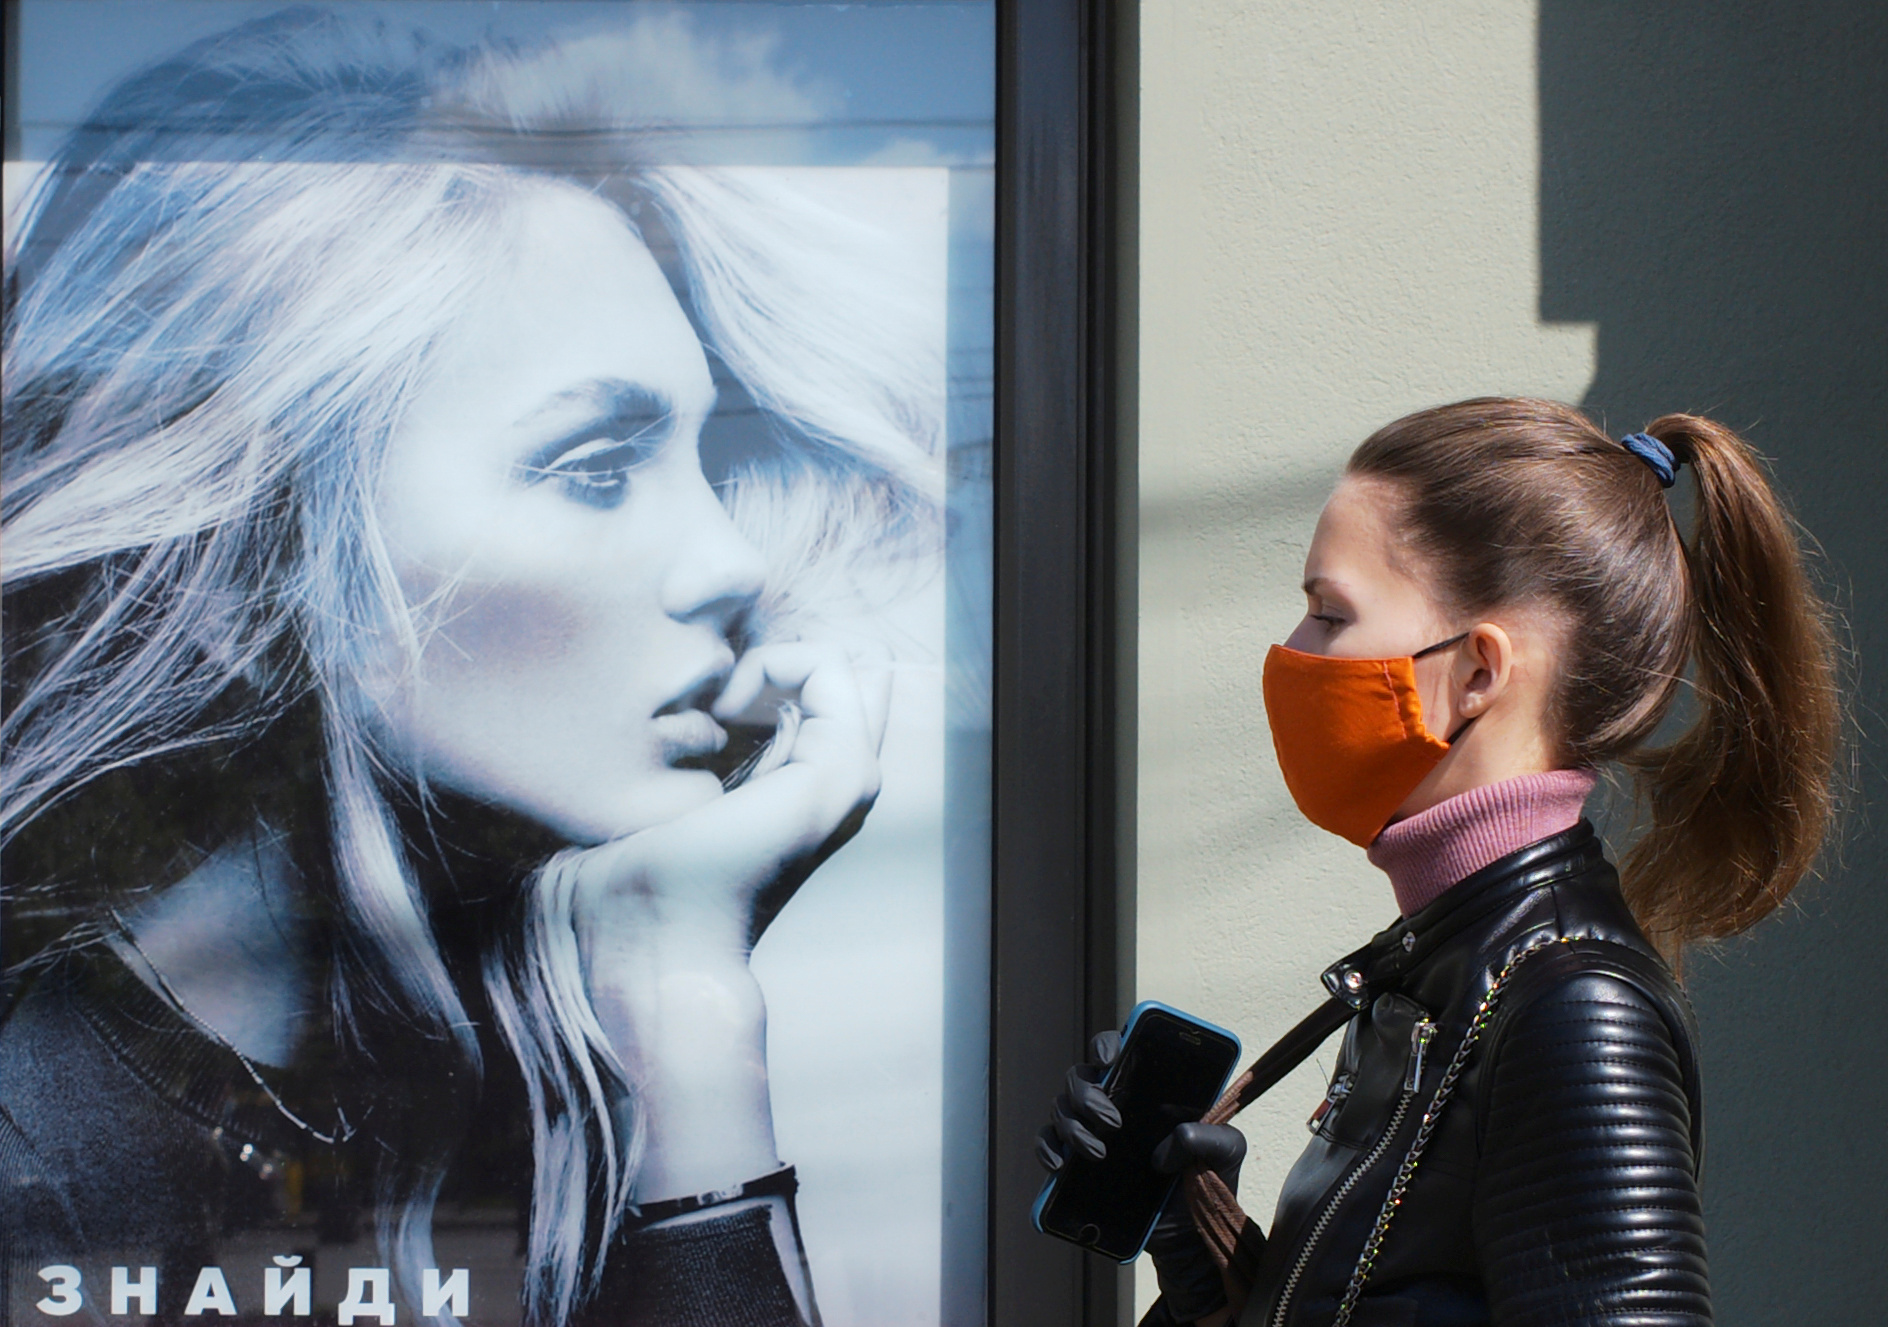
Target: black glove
x,y
1190,1283
1082,1118
1081,1112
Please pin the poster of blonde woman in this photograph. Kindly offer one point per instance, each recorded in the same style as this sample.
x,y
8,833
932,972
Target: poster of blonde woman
x,y
496,590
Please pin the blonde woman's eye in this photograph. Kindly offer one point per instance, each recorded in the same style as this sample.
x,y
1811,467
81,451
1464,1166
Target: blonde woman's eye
x,y
596,471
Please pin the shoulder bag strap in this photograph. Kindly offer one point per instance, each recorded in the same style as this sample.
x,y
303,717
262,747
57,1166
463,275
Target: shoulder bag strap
x,y
1232,1237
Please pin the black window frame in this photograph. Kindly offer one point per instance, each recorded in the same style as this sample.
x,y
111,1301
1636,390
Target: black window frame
x,y
1062,838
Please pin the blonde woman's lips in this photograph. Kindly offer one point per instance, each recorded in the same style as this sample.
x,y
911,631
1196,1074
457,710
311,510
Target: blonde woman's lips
x,y
689,733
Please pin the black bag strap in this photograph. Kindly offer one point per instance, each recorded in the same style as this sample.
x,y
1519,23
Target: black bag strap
x,y
1353,982
1286,1054
1232,1239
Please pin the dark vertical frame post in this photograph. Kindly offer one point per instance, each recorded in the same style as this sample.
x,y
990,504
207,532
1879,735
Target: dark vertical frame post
x,y
1058,477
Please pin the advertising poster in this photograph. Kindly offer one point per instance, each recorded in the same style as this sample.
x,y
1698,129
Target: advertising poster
x,y
496,666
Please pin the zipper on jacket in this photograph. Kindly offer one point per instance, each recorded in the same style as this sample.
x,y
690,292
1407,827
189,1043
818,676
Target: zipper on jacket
x,y
1340,1088
1330,1208
1420,1036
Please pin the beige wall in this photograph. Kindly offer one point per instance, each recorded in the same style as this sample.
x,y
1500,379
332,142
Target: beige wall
x,y
1339,220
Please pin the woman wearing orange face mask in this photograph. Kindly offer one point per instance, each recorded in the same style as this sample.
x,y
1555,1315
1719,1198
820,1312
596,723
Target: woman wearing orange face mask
x,y
1501,604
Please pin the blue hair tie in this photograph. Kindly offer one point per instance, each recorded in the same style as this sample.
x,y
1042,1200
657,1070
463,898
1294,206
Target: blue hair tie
x,y
1657,456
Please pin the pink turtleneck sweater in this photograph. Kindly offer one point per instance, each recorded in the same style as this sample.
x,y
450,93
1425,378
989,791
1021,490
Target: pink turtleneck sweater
x,y
1452,840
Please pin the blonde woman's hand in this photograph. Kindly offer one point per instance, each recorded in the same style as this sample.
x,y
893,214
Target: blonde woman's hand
x,y
667,917
730,865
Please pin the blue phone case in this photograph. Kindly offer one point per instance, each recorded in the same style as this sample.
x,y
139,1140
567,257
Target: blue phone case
x,y
1048,1186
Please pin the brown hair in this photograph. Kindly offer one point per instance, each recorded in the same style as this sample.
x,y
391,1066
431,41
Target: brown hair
x,y
1516,501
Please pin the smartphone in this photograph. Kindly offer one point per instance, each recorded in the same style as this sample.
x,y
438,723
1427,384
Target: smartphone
x,y
1171,1068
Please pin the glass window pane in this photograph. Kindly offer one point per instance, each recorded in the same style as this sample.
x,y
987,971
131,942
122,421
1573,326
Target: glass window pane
x,y
498,638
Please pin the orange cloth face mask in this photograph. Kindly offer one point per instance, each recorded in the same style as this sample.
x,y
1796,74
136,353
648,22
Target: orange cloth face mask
x,y
1349,736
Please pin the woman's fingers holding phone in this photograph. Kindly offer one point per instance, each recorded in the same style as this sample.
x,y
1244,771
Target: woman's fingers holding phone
x,y
1080,1114
1219,1148
1082,1091
1074,1133
1081,1110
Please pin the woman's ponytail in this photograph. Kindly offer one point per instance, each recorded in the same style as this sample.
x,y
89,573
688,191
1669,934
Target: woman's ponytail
x,y
1513,501
1739,805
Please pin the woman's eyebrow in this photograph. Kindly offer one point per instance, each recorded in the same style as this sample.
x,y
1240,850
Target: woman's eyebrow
x,y
600,397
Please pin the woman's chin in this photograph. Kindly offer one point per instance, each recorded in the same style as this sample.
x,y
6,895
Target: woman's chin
x,y
648,802
594,814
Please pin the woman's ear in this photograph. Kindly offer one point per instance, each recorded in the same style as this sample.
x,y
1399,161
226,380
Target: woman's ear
x,y
1483,669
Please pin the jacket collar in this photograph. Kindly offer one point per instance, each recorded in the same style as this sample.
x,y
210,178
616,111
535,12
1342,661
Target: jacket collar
x,y
1360,975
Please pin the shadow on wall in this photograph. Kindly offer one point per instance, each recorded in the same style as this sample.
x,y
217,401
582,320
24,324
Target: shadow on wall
x,y
1715,197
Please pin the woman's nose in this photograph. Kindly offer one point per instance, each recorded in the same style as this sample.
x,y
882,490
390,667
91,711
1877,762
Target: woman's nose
x,y
715,572
1304,638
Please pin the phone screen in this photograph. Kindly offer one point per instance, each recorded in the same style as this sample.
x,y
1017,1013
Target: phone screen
x,y
1170,1069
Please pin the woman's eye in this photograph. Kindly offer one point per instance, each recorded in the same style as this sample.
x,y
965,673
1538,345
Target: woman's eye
x,y
597,473
1331,623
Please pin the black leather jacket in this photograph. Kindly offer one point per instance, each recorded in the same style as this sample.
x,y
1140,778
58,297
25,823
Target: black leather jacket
x,y
1559,1182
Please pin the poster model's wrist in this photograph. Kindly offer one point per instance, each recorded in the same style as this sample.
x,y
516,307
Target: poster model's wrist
x,y
706,1260
782,1182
